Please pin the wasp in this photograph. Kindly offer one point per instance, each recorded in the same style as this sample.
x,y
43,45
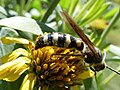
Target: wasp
x,y
94,56
60,40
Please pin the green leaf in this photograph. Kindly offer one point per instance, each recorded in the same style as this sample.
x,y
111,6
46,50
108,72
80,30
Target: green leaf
x,y
108,28
110,77
99,13
73,6
6,31
45,28
22,24
11,85
90,84
114,59
115,50
50,10
26,35
3,13
82,11
95,8
111,13
6,49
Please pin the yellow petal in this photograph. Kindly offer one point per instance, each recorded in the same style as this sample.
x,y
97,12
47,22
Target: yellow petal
x,y
28,82
12,70
86,74
9,40
14,55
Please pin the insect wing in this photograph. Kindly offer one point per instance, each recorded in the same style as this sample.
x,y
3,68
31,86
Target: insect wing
x,y
80,33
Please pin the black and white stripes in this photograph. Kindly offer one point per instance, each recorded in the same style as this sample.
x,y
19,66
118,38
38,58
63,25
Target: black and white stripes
x,y
60,40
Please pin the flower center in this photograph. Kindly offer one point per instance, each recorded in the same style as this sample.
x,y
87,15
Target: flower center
x,y
57,66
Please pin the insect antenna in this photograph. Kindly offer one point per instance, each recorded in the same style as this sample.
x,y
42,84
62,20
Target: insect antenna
x,y
80,33
110,68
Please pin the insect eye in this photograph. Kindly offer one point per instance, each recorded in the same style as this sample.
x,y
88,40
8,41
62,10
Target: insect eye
x,y
99,66
99,57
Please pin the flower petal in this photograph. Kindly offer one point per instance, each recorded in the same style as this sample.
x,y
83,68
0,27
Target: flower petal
x,y
28,82
9,40
12,70
14,55
86,74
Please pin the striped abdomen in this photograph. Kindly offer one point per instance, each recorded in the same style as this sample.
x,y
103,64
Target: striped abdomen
x,y
60,40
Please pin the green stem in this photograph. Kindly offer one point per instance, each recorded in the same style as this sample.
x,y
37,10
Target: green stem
x,y
98,14
50,10
21,8
110,13
107,30
93,10
73,6
28,5
81,12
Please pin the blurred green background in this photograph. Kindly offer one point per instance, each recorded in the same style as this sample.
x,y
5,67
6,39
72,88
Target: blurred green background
x,y
114,35
47,15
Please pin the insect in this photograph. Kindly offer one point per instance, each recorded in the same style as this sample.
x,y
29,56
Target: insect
x,y
94,56
60,40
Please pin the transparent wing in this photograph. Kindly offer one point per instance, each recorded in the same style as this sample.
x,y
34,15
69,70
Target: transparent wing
x,y
80,33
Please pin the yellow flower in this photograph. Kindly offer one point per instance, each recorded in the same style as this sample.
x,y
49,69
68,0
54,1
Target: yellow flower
x,y
13,69
46,67
28,82
99,24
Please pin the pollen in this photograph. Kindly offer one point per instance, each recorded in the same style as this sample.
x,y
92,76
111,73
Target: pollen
x,y
45,66
57,66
